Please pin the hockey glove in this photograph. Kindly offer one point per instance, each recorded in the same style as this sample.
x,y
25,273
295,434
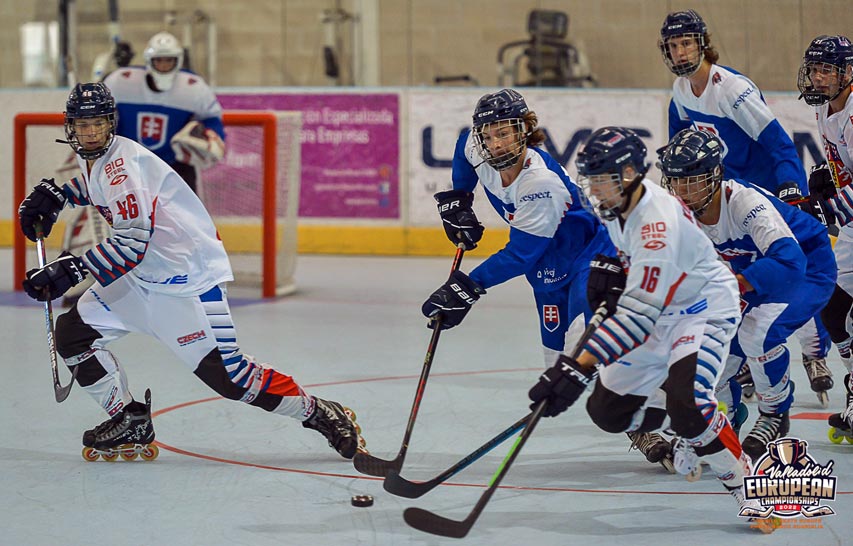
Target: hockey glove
x,y
43,205
561,385
460,222
813,204
821,183
606,282
55,278
452,301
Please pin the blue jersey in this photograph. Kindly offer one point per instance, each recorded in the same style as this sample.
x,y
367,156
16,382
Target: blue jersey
x,y
756,148
551,236
777,247
152,118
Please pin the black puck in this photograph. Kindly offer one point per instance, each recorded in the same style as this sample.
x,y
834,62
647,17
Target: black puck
x,y
362,501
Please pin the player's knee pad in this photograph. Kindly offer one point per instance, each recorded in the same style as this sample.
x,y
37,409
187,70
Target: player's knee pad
x,y
771,375
686,419
610,411
73,336
836,315
212,371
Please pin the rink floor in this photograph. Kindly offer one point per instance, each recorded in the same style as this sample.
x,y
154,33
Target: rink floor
x,y
232,474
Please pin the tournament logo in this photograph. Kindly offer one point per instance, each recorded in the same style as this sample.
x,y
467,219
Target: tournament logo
x,y
151,129
789,483
550,317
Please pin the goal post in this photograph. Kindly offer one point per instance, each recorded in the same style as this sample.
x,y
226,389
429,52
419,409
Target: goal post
x,y
252,194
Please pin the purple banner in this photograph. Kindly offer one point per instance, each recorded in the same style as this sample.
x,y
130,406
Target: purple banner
x,y
350,151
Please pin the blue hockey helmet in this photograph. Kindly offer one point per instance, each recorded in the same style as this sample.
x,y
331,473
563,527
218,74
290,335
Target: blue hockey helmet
x,y
827,69
90,100
683,23
500,131
692,167
603,171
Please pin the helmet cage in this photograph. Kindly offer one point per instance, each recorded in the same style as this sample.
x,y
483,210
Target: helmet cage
x,y
692,64
697,191
603,194
90,101
843,76
514,143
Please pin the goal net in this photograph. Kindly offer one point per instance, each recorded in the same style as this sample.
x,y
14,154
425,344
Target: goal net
x,y
252,194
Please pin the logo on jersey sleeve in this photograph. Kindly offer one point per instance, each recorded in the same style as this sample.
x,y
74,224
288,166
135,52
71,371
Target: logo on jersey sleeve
x,y
151,129
652,233
550,317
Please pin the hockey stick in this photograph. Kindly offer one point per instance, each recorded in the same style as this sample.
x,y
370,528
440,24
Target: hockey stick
x,y
397,485
430,522
374,466
60,391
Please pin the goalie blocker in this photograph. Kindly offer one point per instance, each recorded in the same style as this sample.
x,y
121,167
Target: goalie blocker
x,y
197,145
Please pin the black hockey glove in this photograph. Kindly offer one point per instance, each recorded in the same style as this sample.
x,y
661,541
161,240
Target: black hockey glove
x,y
606,282
561,385
460,222
821,184
55,278
813,204
452,301
42,205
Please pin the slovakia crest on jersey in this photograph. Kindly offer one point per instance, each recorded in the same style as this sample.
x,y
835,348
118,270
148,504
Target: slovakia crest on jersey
x,y
151,129
550,317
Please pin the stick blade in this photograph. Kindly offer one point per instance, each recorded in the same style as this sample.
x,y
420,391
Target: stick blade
x,y
428,522
63,392
397,485
374,466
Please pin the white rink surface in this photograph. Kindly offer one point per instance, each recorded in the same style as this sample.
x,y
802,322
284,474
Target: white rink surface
x,y
233,474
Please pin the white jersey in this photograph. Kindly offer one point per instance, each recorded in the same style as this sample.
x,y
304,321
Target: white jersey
x,y
673,270
836,132
162,235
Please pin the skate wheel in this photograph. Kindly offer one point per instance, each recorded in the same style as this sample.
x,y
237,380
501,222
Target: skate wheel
x,y
362,443
695,474
823,398
109,457
350,413
666,462
90,454
128,456
835,436
150,452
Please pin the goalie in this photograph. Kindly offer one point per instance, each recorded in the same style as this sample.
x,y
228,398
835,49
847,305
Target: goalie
x,y
170,111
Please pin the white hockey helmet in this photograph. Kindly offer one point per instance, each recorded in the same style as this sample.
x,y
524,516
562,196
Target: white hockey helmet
x,y
163,45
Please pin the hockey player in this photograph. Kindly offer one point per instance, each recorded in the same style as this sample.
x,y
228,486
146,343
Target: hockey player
x,y
825,80
161,273
722,101
781,256
551,240
656,360
170,111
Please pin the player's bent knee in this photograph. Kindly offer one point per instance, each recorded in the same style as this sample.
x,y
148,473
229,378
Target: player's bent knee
x,y
73,336
685,418
212,371
610,411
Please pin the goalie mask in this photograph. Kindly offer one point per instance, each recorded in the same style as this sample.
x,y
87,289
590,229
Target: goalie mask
x,y
827,69
682,42
164,56
90,120
500,132
692,167
610,167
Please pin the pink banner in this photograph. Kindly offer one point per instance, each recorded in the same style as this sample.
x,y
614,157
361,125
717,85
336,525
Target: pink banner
x,y
350,151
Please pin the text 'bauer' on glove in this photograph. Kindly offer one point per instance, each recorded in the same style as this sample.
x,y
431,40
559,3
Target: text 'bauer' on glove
x,y
452,301
43,206
606,282
56,277
561,385
458,218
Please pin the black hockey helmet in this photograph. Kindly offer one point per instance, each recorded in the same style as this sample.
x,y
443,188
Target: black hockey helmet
x,y
602,170
692,167
827,69
506,107
683,23
89,100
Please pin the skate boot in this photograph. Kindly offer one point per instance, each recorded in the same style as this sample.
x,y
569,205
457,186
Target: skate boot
x,y
820,378
759,517
654,447
337,424
841,424
685,460
768,427
129,433
744,377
